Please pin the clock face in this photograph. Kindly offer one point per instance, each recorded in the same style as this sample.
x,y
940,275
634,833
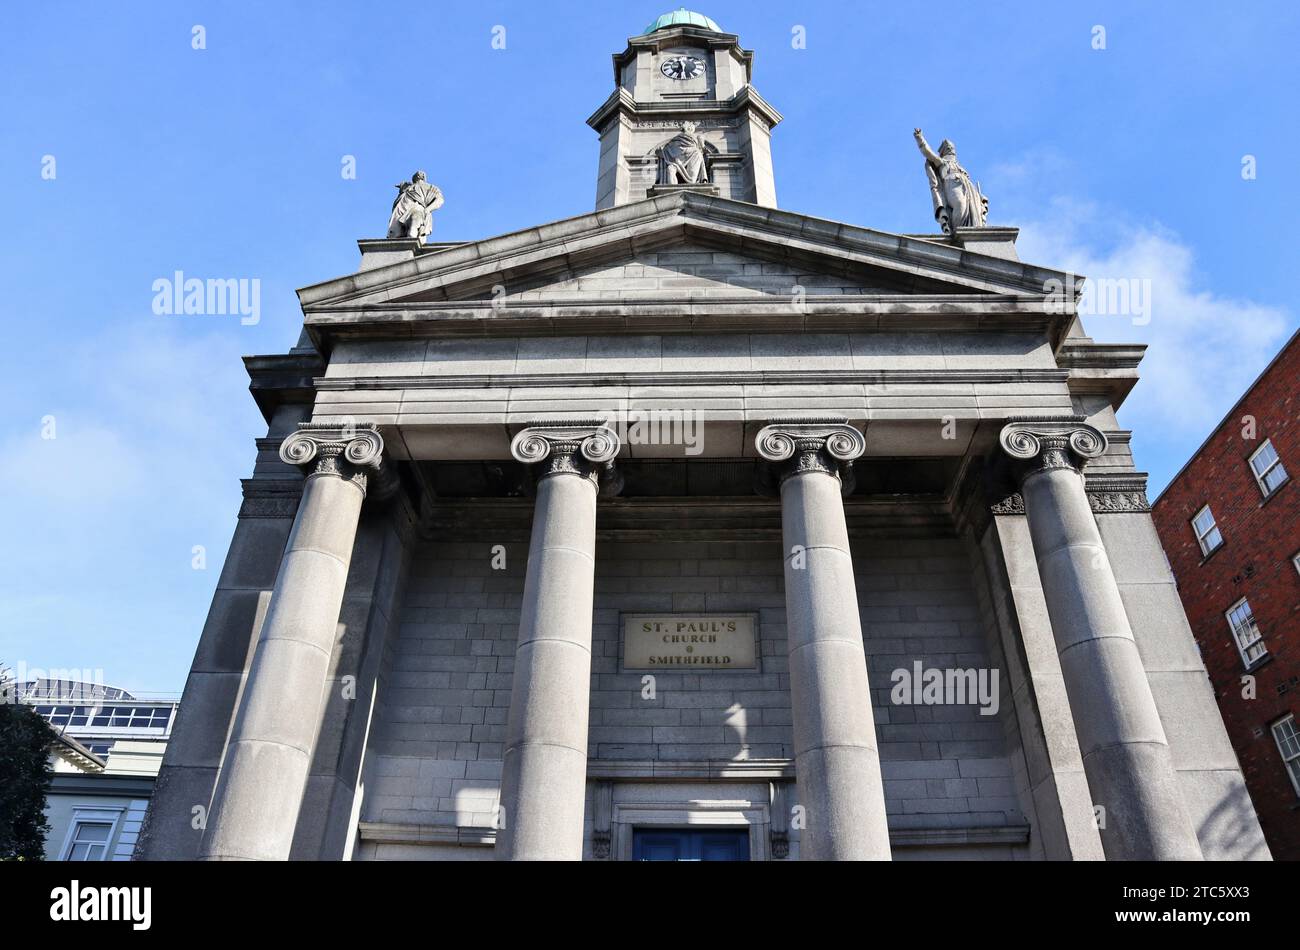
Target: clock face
x,y
682,67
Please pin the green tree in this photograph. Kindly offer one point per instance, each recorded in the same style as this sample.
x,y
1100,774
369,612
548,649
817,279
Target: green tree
x,y
25,741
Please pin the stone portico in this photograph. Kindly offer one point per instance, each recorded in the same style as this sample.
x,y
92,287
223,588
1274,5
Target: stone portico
x,y
892,452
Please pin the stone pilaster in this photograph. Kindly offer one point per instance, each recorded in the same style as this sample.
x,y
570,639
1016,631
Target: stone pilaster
x,y
837,765
544,772
1125,752
264,772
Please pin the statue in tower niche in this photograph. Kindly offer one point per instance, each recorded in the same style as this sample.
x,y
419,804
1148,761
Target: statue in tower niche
x,y
958,202
413,208
684,158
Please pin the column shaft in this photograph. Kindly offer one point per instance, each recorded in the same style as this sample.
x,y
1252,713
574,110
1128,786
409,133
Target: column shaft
x,y
1125,753
836,758
544,772
264,772
837,765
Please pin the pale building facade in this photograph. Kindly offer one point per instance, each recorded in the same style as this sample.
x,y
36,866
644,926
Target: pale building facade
x,y
109,748
95,805
646,533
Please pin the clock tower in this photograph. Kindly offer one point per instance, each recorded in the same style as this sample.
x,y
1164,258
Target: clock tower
x,y
684,117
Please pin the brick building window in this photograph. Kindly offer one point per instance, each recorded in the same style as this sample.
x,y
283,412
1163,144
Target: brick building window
x,y
1268,469
1250,642
1207,532
1288,744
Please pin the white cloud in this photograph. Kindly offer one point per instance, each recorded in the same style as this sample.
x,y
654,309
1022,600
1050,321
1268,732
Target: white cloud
x,y
1204,348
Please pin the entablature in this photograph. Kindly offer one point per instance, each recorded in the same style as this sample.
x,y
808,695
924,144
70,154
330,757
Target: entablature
x,y
621,102
741,314
1106,369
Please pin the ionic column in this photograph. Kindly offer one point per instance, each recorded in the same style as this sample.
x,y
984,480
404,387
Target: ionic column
x,y
1125,753
837,766
544,773
264,772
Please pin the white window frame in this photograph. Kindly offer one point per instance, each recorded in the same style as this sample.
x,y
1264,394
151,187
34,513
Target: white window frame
x,y
1236,638
1260,476
1289,762
1213,529
92,816
1295,561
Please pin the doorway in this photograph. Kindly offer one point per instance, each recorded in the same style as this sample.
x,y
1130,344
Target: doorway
x,y
690,844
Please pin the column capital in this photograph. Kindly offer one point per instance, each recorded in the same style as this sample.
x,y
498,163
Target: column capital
x,y
582,448
828,446
1041,445
351,452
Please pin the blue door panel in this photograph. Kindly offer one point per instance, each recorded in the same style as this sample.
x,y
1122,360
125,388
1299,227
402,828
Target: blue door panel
x,y
690,844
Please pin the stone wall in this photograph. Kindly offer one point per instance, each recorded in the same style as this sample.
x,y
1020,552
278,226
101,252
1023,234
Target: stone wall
x,y
436,744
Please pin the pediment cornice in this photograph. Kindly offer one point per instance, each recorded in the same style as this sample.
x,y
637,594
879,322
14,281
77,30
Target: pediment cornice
x,y
911,264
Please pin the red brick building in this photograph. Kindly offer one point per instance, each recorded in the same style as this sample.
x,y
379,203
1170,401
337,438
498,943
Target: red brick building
x,y
1230,525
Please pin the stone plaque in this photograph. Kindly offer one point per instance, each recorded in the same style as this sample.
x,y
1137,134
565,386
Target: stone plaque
x,y
684,642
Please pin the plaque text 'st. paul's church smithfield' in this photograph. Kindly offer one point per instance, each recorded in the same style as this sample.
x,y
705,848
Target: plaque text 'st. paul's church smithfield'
x,y
625,536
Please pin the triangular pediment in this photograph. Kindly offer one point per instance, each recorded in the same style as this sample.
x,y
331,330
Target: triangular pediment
x,y
686,246
691,268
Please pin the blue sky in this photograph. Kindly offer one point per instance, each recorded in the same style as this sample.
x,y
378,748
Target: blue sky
x,y
1123,162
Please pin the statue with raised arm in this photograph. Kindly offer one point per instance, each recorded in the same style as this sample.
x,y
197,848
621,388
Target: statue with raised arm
x,y
413,208
684,158
958,202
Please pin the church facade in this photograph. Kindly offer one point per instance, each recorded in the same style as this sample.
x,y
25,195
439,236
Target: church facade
x,y
694,527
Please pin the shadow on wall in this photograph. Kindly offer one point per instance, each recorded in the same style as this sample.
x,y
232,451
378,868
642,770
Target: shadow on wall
x,y
1231,821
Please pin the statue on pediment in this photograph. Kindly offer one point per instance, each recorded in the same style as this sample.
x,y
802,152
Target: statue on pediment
x,y
958,201
685,158
413,208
